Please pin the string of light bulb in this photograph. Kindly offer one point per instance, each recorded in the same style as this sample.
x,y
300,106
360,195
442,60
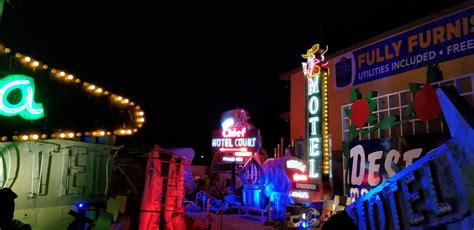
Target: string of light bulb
x,y
138,115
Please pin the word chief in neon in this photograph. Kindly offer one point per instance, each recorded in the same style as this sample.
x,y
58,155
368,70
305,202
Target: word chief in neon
x,y
25,106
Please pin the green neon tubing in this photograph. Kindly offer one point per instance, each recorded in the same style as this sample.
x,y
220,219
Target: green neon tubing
x,y
26,108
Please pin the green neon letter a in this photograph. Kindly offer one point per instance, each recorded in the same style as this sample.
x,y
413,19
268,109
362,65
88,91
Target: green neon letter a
x,y
26,107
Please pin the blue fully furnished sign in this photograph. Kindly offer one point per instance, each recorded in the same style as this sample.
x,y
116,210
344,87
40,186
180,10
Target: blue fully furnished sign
x,y
438,41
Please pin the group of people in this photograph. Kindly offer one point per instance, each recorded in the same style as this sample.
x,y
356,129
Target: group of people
x,y
216,186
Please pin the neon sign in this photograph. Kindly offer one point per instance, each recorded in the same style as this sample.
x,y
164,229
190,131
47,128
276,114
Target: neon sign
x,y
233,132
294,164
299,177
232,159
307,186
27,108
238,142
243,154
235,140
312,70
232,149
299,194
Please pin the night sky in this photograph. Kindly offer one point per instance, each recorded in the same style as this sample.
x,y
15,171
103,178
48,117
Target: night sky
x,y
187,62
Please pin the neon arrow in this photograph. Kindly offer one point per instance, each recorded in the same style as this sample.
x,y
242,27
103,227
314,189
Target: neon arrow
x,y
233,149
243,154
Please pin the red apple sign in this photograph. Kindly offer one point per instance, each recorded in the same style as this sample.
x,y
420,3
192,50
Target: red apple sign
x,y
360,113
426,103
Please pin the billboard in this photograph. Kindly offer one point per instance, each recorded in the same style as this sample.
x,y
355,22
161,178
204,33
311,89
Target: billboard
x,y
438,41
371,162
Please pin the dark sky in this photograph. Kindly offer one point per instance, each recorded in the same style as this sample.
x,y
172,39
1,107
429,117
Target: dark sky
x,y
187,62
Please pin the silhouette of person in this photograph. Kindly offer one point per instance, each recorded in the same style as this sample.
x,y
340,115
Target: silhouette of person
x,y
7,201
340,220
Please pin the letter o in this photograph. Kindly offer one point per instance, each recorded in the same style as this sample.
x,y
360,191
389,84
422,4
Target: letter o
x,y
313,105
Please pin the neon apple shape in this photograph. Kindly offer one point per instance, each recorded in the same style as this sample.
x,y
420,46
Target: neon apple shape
x,y
26,107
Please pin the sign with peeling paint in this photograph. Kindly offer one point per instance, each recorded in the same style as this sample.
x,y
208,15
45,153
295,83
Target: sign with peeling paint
x,y
373,161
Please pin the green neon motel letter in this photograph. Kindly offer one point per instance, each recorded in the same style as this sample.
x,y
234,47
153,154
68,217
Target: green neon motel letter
x,y
26,108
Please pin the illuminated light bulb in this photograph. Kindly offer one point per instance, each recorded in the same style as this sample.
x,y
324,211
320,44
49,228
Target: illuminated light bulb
x,y
85,84
140,125
78,80
35,136
27,59
140,113
137,107
4,138
125,101
94,133
119,98
141,120
87,133
92,87
45,66
109,133
132,103
71,135
129,131
17,55
135,130
102,133
62,135
15,138
99,90
78,134
70,77
54,71
7,50
106,92
62,74
35,64
44,136
122,131
53,135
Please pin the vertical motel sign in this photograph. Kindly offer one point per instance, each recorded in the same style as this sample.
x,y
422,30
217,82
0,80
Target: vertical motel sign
x,y
317,151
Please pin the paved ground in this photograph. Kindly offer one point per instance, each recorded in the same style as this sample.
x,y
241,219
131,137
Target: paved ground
x,y
235,222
